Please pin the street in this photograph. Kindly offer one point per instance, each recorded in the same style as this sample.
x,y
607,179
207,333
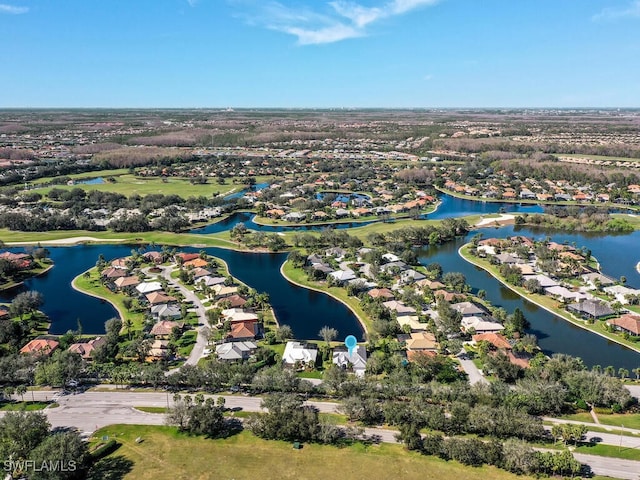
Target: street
x,y
91,410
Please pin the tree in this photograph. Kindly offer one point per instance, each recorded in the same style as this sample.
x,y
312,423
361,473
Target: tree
x,y
21,432
66,448
26,303
284,333
328,334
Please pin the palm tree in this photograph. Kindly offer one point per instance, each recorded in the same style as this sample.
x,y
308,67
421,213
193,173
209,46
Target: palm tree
x,y
128,325
328,334
623,373
637,372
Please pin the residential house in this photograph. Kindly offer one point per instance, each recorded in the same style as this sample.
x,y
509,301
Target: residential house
x,y
243,330
148,287
40,346
591,309
410,276
381,293
481,325
400,308
469,309
159,349
621,293
157,298
356,360
164,328
595,280
86,349
235,351
343,276
124,283
297,352
166,311
420,343
498,341
627,323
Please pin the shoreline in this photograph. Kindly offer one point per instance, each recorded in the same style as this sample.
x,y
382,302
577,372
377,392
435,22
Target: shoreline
x,y
91,294
577,323
360,320
526,201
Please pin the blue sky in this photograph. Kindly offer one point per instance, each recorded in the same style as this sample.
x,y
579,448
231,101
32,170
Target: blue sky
x,y
318,53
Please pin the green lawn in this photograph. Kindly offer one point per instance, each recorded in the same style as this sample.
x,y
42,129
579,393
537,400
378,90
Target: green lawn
x,y
26,406
92,286
627,420
128,184
610,451
299,276
164,453
152,409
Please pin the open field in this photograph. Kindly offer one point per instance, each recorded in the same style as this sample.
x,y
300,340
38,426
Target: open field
x,y
166,454
128,184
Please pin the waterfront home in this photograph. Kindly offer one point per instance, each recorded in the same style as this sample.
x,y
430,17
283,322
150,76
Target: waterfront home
x,y
235,351
243,330
622,293
222,291
112,272
565,295
410,276
543,280
356,360
593,309
342,276
86,349
209,281
124,283
40,346
234,301
626,323
154,257
595,280
498,341
196,263
507,259
185,257
430,284
299,353
469,309
238,315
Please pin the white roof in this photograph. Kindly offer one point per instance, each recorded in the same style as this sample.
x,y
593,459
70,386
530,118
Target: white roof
x,y
358,359
148,287
234,350
543,280
480,325
295,351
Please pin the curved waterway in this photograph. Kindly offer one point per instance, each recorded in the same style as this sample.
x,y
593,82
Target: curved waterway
x,y
555,335
307,311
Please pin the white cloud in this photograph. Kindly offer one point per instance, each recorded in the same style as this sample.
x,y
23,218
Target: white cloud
x,y
331,21
632,10
4,8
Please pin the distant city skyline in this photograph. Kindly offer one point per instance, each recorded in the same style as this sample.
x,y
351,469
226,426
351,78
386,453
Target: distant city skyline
x,y
320,54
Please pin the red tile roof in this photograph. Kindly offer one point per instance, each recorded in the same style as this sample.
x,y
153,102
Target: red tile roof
x,y
40,346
